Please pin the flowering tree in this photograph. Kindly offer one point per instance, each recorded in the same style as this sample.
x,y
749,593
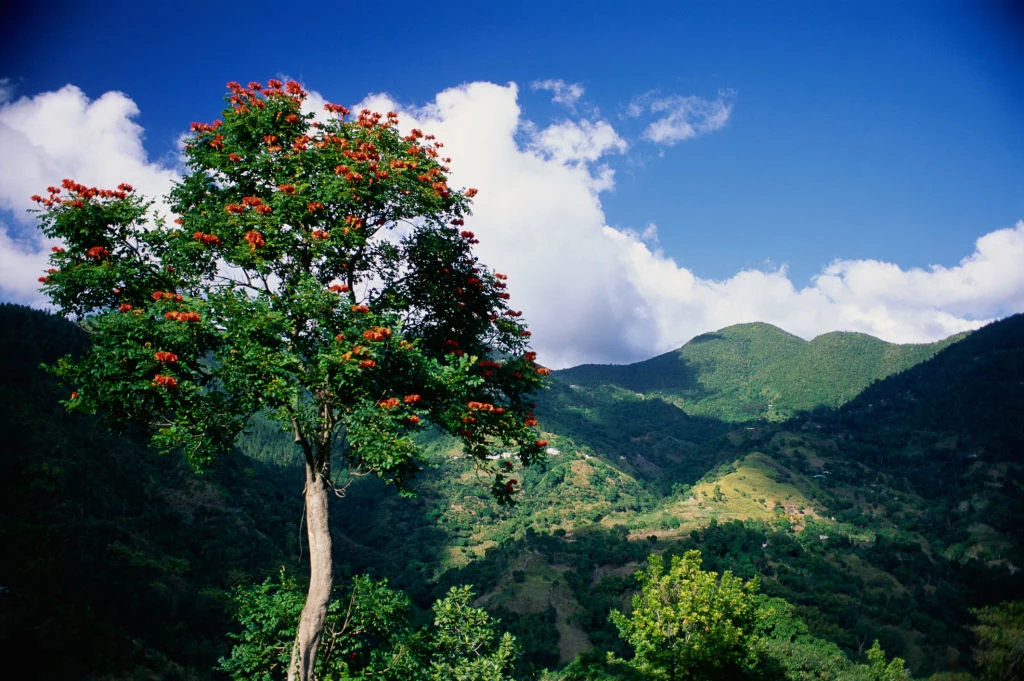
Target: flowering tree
x,y
317,272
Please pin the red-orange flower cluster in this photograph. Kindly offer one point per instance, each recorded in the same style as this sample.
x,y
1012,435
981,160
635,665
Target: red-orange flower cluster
x,y
182,316
389,403
338,288
165,357
350,175
362,309
337,108
286,188
205,127
124,307
255,240
320,234
314,206
166,295
451,346
82,192
377,334
207,239
165,381
367,364
97,252
368,119
411,399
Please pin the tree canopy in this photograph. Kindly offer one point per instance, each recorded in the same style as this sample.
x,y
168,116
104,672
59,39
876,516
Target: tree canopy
x,y
688,623
316,270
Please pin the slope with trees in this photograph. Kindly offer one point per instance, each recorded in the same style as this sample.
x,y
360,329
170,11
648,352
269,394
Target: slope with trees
x,y
754,371
925,528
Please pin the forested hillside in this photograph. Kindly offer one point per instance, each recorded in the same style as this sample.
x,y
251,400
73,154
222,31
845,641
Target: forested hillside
x,y
888,518
116,559
750,371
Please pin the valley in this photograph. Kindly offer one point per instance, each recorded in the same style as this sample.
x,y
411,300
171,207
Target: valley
x,y
873,487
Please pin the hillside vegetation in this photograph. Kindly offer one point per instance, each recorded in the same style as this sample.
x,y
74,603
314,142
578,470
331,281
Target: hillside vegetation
x,y
886,508
752,371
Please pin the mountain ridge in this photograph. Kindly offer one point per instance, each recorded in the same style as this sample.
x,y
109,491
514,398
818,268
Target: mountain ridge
x,y
757,371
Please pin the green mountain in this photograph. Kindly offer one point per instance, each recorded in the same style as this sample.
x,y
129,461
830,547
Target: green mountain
x,y
653,419
755,371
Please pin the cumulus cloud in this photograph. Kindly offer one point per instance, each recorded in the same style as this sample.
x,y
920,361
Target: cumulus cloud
x,y
566,94
55,135
538,217
594,293
679,118
590,292
578,141
899,305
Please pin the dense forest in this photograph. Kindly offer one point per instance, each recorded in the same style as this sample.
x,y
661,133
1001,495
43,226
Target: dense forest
x,y
856,506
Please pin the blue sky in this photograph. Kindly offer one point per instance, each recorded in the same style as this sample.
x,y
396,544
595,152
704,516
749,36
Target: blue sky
x,y
646,174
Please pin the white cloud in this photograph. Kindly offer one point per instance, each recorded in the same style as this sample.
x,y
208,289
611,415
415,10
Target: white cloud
x,y
590,292
578,141
563,93
881,299
599,294
539,219
681,118
56,135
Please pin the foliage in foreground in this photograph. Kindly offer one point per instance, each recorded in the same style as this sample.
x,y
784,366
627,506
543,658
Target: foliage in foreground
x,y
368,635
688,624
1000,632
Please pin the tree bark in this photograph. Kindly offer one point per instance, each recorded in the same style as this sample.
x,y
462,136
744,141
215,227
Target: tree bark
x,y
321,578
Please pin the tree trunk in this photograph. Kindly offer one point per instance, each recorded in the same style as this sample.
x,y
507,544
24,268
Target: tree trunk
x,y
321,578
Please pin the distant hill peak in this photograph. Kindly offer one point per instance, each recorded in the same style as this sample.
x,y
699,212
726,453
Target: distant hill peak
x,y
756,371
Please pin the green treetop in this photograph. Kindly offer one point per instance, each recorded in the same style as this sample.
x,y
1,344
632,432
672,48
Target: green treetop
x,y
691,624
